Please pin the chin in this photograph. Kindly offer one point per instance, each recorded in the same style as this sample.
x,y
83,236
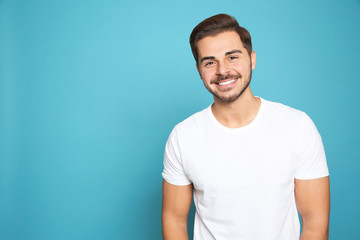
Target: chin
x,y
227,99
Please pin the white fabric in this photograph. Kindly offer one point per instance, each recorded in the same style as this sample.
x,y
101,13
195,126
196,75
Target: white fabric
x,y
244,178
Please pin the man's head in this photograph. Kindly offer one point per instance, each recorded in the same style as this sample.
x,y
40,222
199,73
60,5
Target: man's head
x,y
224,57
218,24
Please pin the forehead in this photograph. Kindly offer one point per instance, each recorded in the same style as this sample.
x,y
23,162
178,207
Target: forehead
x,y
219,44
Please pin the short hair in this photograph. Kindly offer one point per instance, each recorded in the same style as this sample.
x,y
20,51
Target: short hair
x,y
218,24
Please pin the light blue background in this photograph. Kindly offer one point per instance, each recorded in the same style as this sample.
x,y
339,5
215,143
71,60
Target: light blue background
x,y
90,90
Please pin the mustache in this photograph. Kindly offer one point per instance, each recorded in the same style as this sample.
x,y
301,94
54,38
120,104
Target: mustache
x,y
224,77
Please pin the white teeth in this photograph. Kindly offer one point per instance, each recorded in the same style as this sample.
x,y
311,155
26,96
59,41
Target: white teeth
x,y
227,82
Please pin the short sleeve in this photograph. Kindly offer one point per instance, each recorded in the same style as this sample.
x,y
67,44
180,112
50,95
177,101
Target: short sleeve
x,y
311,161
173,169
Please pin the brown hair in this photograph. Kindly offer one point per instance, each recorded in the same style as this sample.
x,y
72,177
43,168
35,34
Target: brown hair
x,y
217,24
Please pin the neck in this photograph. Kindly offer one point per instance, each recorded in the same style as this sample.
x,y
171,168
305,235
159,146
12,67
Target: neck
x,y
238,113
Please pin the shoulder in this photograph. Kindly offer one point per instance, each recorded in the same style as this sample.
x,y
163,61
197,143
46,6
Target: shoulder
x,y
282,112
290,120
195,121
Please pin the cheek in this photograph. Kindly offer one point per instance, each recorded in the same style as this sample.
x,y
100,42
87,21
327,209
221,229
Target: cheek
x,y
240,68
207,75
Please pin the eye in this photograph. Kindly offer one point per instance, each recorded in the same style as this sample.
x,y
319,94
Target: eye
x,y
232,58
209,63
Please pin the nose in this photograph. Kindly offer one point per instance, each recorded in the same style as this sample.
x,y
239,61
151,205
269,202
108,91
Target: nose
x,y
222,68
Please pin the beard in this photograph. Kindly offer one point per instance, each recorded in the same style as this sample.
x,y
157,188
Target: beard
x,y
235,96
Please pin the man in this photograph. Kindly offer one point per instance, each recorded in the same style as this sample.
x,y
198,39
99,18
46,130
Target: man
x,y
250,163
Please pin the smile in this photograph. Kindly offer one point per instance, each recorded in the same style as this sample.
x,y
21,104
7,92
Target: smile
x,y
227,82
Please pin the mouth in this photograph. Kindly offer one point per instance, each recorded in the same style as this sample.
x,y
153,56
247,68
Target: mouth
x,y
227,82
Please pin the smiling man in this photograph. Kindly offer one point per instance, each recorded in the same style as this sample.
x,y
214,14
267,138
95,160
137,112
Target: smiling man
x,y
250,163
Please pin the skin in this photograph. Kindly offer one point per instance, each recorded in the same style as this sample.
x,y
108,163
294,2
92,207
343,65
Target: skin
x,y
223,58
313,203
216,63
175,210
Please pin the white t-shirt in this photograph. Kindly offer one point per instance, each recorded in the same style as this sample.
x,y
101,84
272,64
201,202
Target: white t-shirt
x,y
243,178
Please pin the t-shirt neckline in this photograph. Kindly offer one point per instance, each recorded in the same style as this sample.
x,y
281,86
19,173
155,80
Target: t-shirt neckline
x,y
240,129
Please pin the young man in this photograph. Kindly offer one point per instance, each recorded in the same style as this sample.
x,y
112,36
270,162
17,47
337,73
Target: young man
x,y
250,163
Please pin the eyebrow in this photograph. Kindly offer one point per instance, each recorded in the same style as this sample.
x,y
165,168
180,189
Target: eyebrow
x,y
206,58
226,54
232,52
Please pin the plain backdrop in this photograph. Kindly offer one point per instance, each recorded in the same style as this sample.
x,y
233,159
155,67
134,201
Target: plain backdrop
x,y
90,90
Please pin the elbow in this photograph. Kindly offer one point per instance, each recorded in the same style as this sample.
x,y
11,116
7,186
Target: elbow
x,y
315,228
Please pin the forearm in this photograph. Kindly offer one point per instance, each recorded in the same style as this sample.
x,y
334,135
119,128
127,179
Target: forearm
x,y
174,229
315,230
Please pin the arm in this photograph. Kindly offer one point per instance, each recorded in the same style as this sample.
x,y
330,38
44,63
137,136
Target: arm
x,y
175,209
313,202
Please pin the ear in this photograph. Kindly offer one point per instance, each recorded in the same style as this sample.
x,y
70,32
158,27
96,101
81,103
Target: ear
x,y
253,60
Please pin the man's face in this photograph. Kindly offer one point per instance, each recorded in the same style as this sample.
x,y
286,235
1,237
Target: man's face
x,y
225,65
